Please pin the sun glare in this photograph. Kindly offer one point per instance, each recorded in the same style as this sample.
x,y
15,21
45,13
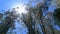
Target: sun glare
x,y
20,8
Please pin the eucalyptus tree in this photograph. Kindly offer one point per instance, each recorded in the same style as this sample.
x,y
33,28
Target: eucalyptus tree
x,y
37,12
7,21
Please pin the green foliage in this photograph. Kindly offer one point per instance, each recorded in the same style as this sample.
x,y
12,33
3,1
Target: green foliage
x,y
57,13
7,21
56,31
58,23
1,15
57,16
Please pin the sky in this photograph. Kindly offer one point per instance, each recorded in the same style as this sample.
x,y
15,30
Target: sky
x,y
8,4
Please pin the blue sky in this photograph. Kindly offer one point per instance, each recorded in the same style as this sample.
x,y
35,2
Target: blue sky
x,y
7,4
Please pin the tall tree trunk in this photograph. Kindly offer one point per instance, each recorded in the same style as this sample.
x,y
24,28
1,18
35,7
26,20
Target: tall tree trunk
x,y
42,26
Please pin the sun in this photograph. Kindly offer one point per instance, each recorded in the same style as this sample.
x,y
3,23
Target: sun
x,y
20,8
